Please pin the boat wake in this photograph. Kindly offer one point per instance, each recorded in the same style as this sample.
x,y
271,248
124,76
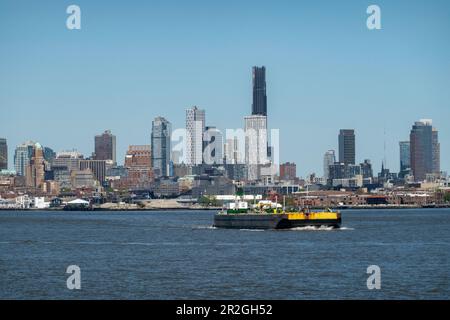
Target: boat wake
x,y
319,228
204,228
306,228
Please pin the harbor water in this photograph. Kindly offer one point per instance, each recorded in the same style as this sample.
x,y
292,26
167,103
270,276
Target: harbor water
x,y
179,255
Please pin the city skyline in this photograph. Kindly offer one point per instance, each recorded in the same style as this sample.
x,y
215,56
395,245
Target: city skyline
x,y
418,157
344,146
311,88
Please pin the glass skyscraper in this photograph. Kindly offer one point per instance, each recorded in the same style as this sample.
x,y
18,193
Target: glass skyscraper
x,y
405,157
160,146
3,154
22,157
328,159
436,152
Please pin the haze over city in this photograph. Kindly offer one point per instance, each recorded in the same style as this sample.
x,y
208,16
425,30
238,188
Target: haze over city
x,y
325,71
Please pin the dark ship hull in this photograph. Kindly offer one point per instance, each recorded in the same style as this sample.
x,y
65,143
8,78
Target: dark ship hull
x,y
273,221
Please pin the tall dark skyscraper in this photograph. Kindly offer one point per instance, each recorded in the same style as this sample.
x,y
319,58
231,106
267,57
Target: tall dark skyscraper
x,y
347,146
105,146
424,149
259,106
3,154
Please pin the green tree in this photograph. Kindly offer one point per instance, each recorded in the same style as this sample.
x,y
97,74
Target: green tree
x,y
447,197
203,201
209,201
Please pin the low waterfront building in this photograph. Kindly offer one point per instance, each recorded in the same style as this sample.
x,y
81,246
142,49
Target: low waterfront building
x,y
68,159
83,179
165,188
63,165
98,168
61,174
51,187
186,183
236,172
7,181
282,189
212,185
40,203
181,170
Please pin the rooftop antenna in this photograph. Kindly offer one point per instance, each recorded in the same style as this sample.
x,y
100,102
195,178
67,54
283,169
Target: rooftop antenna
x,y
384,147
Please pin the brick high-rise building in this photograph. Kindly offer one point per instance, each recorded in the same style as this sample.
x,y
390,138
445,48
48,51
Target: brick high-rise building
x,y
35,171
138,162
105,146
288,171
138,156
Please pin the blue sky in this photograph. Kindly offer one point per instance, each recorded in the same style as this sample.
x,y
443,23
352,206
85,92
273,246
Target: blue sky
x,y
135,60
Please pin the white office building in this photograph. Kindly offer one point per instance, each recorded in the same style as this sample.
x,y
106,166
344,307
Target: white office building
x,y
195,126
255,144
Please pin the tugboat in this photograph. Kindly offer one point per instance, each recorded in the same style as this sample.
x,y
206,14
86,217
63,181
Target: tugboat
x,y
267,215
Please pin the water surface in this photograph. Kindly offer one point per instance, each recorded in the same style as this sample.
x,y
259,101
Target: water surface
x,y
178,255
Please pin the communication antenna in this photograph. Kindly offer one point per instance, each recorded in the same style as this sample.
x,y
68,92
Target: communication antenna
x,y
384,148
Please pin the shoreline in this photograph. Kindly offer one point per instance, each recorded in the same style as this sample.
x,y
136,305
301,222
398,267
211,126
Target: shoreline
x,y
393,207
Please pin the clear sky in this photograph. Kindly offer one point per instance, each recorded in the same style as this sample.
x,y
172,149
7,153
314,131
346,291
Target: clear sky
x,y
135,60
